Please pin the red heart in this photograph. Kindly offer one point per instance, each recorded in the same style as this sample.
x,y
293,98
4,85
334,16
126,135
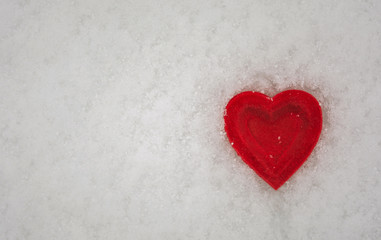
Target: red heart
x,y
274,136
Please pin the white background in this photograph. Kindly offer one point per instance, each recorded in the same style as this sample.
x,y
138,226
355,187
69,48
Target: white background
x,y
111,118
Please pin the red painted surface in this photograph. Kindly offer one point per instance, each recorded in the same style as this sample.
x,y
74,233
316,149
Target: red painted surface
x,y
274,136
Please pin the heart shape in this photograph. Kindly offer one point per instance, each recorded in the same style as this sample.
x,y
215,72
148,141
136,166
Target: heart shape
x,y
274,136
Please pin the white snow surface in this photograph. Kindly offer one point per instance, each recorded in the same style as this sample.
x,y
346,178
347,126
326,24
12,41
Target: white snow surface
x,y
111,118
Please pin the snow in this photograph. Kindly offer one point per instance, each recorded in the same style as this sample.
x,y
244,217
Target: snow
x,y
111,118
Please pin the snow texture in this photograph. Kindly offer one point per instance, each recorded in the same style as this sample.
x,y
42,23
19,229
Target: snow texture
x,y
111,118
